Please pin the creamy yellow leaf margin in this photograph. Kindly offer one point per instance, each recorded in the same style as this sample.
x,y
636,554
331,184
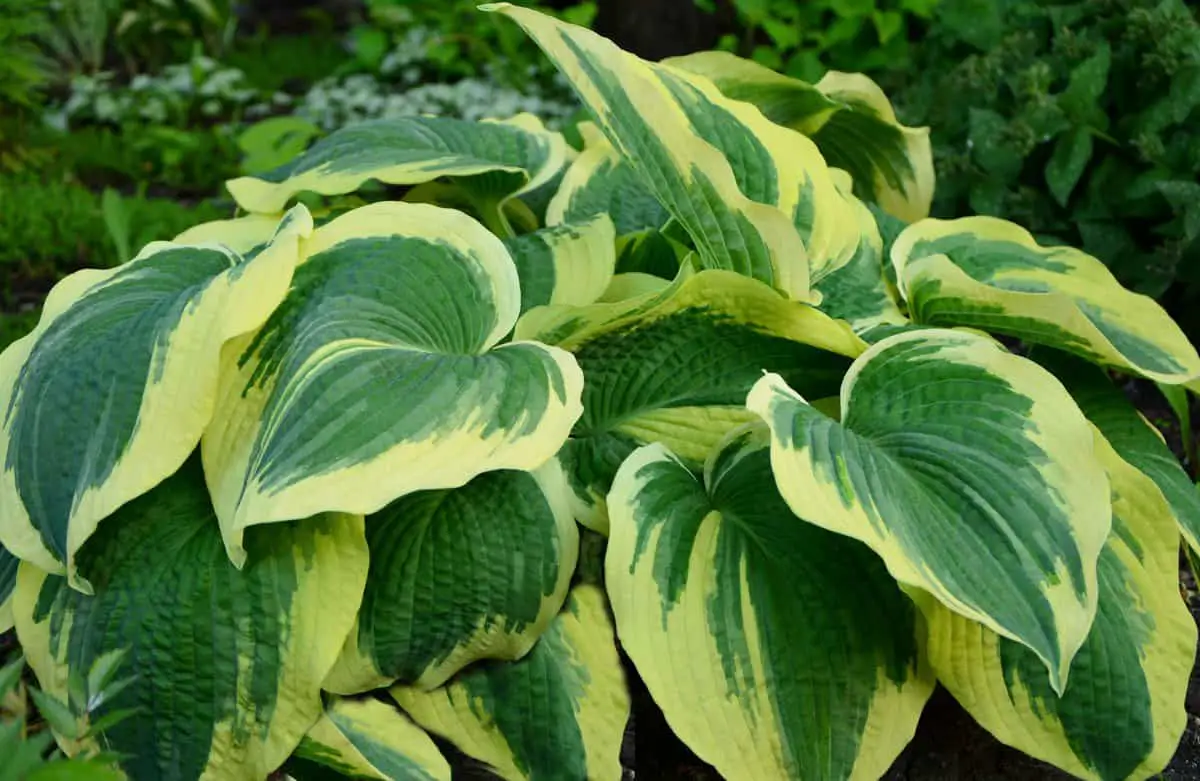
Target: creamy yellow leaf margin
x,y
558,713
369,739
238,447
969,470
992,274
175,404
859,292
659,117
1122,714
240,234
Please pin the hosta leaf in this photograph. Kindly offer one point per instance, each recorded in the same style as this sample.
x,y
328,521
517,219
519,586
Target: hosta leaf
x,y
8,580
558,714
598,181
675,365
775,648
858,292
752,195
1133,437
891,164
1122,713
227,663
969,470
367,739
846,115
570,263
379,375
110,393
459,575
490,160
991,274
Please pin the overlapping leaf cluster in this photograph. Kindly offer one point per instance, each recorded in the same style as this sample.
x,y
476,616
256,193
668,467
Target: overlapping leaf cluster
x,y
320,474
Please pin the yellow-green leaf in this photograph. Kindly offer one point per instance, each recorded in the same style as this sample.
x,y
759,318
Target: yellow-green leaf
x,y
752,195
849,118
858,292
598,181
558,714
244,235
991,274
1122,714
674,365
1134,438
491,161
776,649
110,393
969,470
470,573
568,263
380,375
226,664
367,739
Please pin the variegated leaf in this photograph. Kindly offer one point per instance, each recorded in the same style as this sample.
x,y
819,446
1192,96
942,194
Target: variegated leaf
x,y
558,714
380,375
752,195
775,648
1122,714
990,274
969,470
673,365
111,392
226,664
460,575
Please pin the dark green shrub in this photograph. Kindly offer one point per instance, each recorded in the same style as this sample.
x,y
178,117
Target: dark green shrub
x,y
1078,120
806,39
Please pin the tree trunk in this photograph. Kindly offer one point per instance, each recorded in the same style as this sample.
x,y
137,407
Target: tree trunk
x,y
654,29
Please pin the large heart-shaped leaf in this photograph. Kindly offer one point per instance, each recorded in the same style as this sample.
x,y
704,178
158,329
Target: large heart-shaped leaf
x,y
1122,714
112,390
459,575
227,663
674,366
380,375
556,715
990,274
775,648
969,470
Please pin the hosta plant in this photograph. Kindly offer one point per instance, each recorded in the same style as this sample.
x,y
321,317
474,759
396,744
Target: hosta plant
x,y
319,470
